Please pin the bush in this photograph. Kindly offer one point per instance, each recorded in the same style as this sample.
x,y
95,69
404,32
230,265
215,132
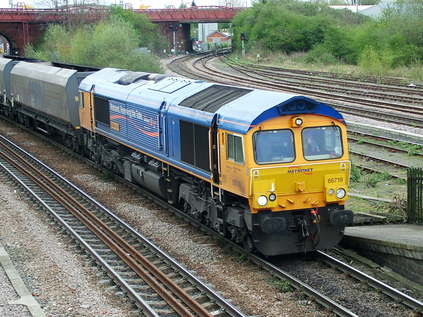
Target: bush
x,y
374,178
355,174
274,26
320,54
374,61
110,43
289,26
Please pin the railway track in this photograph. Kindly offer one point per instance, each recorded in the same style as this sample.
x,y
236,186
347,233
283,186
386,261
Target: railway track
x,y
360,88
199,69
398,158
343,77
277,271
351,104
344,284
158,285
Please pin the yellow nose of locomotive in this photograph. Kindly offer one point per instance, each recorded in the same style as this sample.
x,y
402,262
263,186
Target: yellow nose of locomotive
x,y
300,187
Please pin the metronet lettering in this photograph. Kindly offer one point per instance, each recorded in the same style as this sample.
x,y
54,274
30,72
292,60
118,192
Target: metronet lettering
x,y
301,170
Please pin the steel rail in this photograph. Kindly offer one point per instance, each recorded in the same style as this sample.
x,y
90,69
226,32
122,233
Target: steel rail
x,y
322,299
145,306
388,290
313,92
277,272
127,253
232,310
366,79
353,85
354,109
198,311
355,139
383,160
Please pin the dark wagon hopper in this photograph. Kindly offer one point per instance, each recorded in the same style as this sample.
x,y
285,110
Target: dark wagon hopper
x,y
49,90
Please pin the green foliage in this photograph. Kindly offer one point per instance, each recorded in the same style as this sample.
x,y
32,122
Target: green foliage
x,y
242,258
355,174
109,43
320,54
374,178
375,61
412,149
148,33
282,285
331,36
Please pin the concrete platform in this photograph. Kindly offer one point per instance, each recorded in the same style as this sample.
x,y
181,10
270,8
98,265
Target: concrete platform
x,y
398,246
15,299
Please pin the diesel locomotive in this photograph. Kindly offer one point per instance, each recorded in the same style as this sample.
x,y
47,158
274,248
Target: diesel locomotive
x,y
268,170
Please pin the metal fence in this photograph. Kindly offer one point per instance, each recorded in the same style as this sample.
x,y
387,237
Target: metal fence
x,y
415,195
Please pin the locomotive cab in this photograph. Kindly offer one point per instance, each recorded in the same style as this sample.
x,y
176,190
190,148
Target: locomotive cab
x,y
294,168
298,167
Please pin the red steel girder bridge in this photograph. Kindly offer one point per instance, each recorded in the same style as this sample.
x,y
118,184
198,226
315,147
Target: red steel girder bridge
x,y
24,26
193,14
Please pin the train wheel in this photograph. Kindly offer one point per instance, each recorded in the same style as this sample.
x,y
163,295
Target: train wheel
x,y
186,207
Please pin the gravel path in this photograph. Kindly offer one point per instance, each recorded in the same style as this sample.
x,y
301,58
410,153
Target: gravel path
x,y
7,295
62,279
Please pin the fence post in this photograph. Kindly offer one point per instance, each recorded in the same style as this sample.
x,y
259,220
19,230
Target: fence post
x,y
415,195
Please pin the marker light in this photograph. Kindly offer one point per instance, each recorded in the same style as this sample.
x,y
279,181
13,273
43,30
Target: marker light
x,y
340,193
262,200
296,122
331,191
272,197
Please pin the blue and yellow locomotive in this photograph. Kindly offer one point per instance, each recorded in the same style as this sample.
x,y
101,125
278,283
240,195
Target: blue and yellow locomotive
x,y
268,170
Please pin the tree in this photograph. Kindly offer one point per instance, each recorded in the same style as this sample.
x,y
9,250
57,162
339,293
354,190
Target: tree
x,y
148,33
109,43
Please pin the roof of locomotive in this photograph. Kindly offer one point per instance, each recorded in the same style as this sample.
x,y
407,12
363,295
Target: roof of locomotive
x,y
238,108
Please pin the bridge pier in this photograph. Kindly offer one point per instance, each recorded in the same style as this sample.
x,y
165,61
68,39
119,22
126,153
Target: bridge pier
x,y
182,36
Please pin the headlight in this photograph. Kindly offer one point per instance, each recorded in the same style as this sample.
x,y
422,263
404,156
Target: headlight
x,y
340,193
262,200
272,197
331,191
298,121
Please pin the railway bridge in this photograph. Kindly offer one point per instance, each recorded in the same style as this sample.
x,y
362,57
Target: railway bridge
x,y
20,27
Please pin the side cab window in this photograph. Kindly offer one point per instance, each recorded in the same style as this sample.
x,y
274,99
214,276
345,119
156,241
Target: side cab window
x,y
235,151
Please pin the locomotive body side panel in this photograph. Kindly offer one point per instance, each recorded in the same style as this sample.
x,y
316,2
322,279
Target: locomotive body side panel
x,y
86,115
234,163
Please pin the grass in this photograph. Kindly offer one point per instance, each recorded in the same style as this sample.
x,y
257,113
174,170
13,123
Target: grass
x,y
361,141
412,149
298,61
372,179
106,176
355,174
241,258
281,285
